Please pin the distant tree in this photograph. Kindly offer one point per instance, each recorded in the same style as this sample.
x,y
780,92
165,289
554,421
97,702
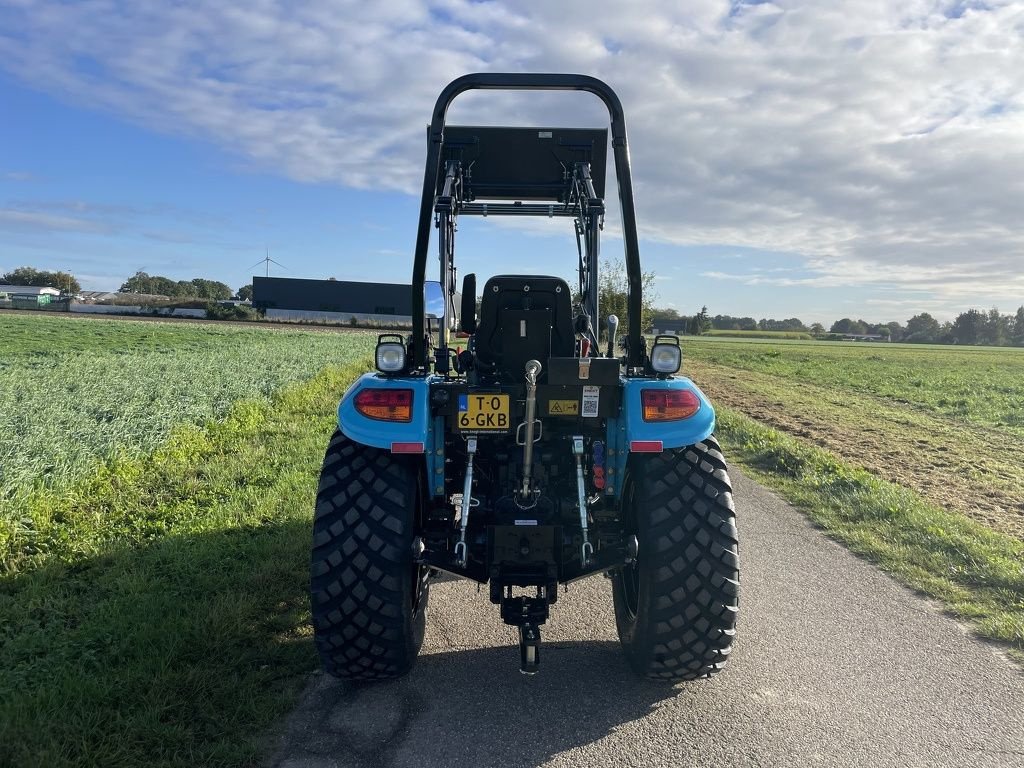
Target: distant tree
x,y
1017,333
846,325
817,329
140,282
613,293
245,293
997,328
969,327
159,285
65,282
730,323
210,289
896,331
922,329
700,323
664,313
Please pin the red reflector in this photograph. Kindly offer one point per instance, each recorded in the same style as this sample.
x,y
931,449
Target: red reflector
x,y
407,447
385,404
645,446
668,404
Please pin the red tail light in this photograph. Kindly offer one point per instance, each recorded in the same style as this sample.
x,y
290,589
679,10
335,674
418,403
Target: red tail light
x,y
385,404
668,404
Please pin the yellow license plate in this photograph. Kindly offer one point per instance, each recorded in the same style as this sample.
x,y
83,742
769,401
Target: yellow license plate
x,y
483,413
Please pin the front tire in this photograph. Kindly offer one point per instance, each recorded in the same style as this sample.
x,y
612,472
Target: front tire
x,y
676,604
368,596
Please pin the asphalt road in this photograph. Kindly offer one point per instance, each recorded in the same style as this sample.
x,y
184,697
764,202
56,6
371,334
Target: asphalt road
x,y
835,664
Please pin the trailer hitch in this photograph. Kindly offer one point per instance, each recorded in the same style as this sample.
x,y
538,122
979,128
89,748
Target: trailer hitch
x,y
527,613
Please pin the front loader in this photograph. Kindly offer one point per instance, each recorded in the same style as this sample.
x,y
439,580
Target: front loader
x,y
541,453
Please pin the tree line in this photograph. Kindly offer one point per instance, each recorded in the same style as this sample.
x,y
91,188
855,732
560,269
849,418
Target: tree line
x,y
197,288
140,282
972,327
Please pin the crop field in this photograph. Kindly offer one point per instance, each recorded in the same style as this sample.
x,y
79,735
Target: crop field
x,y
155,517
78,394
946,422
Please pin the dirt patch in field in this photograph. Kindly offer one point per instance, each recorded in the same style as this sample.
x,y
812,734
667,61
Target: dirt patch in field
x,y
971,470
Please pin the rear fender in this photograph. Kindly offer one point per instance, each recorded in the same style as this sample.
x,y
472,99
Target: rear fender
x,y
630,425
422,429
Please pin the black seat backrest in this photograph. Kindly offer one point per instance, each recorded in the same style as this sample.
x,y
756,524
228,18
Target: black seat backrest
x,y
523,317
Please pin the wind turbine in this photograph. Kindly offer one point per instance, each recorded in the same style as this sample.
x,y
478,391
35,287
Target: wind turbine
x,y
268,261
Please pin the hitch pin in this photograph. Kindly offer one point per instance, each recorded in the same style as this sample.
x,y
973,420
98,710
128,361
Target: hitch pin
x,y
461,552
587,549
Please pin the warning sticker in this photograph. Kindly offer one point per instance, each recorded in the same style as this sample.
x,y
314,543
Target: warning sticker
x,y
563,408
591,398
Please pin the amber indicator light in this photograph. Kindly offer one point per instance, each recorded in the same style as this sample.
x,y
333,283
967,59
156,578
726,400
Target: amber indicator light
x,y
385,404
668,404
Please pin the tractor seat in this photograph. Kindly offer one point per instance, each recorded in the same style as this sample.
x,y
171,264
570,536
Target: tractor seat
x,y
523,317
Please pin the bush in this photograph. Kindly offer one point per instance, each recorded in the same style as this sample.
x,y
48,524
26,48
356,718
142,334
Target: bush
x,y
230,312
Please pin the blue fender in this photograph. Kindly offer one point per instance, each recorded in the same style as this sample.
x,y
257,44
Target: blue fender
x,y
422,428
381,434
630,426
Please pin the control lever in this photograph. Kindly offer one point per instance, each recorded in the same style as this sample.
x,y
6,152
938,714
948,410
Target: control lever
x,y
613,326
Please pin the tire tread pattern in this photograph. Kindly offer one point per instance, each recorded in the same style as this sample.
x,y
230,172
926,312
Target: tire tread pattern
x,y
361,579
689,552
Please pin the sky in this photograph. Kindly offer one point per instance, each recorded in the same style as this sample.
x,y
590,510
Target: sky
x,y
860,158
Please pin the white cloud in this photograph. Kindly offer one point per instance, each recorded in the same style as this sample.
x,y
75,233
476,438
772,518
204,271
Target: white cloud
x,y
15,220
882,141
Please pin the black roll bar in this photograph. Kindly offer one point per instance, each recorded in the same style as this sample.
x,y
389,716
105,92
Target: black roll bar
x,y
528,82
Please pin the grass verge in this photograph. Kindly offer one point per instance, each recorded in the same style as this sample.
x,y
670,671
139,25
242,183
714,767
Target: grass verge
x,y
977,573
161,616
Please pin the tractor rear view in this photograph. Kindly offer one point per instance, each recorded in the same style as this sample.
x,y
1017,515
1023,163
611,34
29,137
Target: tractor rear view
x,y
541,453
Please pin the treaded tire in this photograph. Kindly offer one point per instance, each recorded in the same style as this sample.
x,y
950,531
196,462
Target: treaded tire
x,y
368,597
676,606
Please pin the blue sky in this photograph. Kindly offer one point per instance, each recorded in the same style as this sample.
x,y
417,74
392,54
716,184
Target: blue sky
x,y
863,160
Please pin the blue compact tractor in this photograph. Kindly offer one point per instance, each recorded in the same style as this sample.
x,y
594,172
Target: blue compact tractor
x,y
541,453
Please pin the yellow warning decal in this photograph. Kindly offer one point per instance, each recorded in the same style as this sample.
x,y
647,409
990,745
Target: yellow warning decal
x,y
563,407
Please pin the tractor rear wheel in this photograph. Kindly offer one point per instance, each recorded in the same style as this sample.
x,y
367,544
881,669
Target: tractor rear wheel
x,y
676,604
368,596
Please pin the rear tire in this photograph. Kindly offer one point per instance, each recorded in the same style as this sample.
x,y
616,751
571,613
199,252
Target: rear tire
x,y
368,597
676,605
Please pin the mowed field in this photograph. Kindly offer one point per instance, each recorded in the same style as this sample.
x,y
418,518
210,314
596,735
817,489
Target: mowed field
x,y
946,422
157,484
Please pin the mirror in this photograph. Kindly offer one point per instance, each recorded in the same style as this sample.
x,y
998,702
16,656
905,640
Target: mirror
x,y
433,304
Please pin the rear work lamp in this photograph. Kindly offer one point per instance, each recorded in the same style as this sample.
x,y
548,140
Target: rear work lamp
x,y
390,354
666,356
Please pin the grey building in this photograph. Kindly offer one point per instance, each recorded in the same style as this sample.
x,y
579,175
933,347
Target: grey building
x,y
290,298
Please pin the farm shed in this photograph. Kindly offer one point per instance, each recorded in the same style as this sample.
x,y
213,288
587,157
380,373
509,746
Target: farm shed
x,y
27,296
675,327
332,300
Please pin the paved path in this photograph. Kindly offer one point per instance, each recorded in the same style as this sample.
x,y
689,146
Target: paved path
x,y
835,665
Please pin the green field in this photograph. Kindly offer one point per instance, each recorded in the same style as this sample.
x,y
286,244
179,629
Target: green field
x,y
945,422
979,385
76,395
159,483
778,335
